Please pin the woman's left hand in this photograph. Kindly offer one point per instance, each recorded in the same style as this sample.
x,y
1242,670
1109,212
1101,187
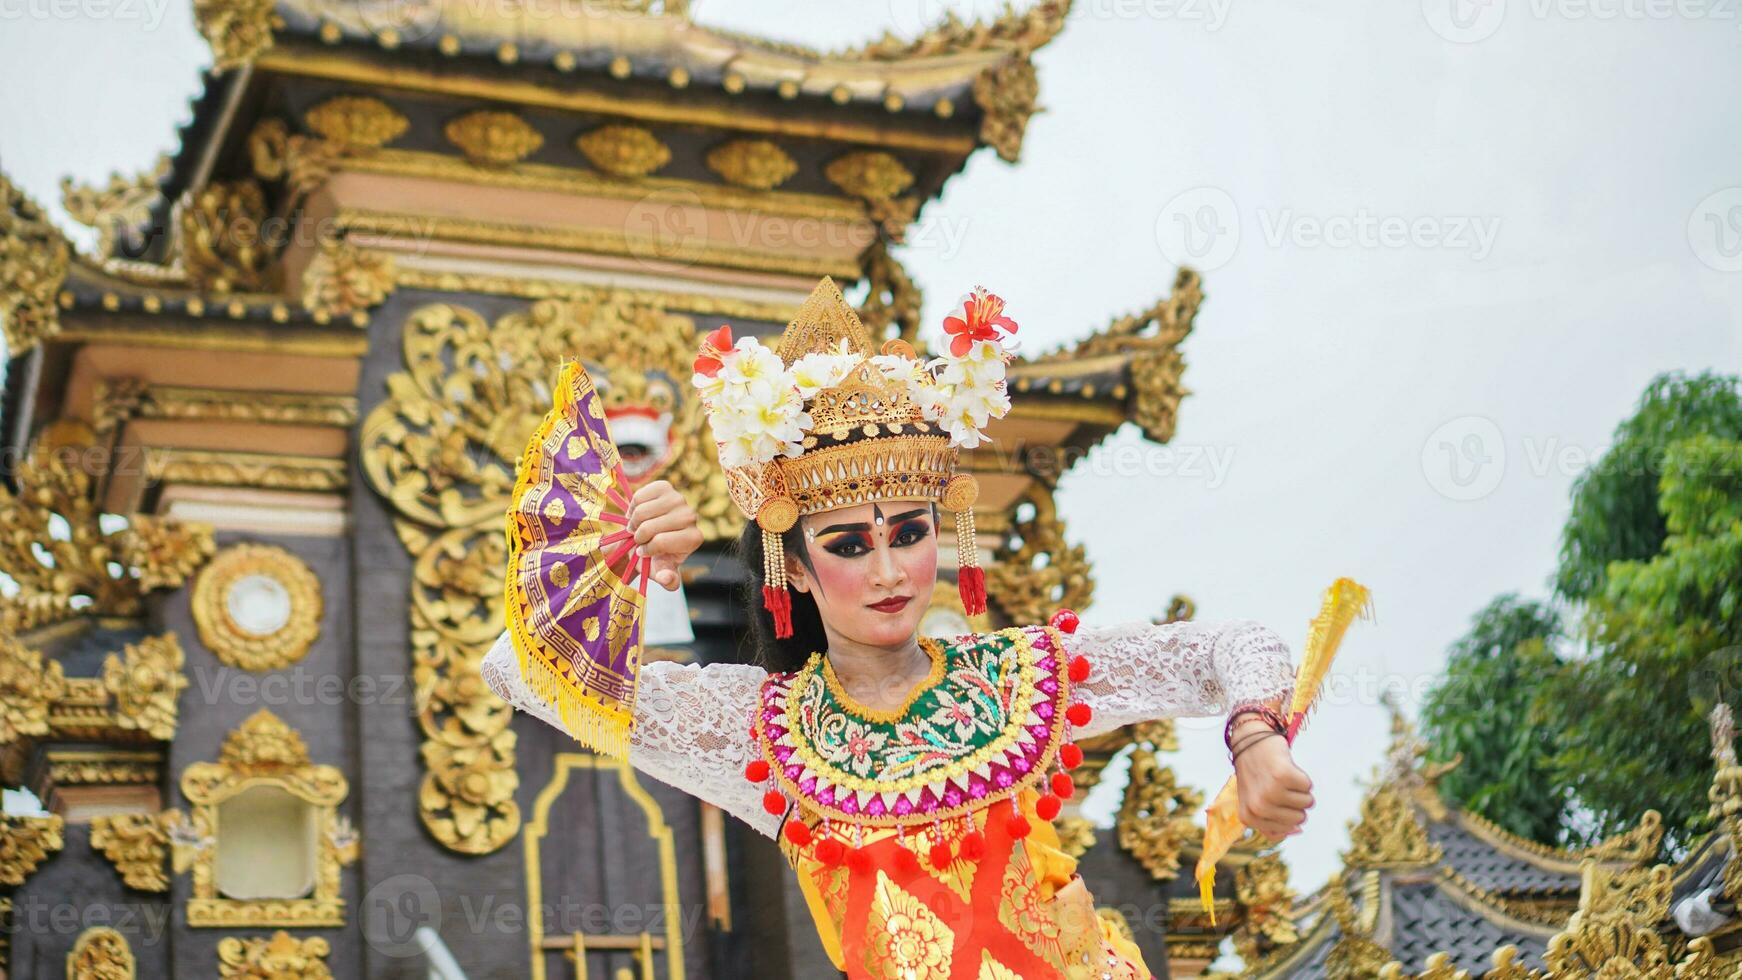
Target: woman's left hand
x,y
665,527
1274,793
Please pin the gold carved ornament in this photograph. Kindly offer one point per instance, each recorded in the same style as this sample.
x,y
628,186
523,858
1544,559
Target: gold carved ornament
x,y
1389,834
146,681
283,957
1035,571
26,842
262,750
29,686
1266,901
356,122
757,164
442,451
894,298
1155,822
220,238
879,180
137,844
344,280
493,139
86,570
266,567
118,210
101,953
1008,94
237,30
624,151
34,258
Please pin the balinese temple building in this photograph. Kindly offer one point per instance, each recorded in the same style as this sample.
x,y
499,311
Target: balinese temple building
x,y
259,441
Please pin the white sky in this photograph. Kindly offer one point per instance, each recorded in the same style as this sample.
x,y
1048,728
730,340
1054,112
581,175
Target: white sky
x,y
1548,173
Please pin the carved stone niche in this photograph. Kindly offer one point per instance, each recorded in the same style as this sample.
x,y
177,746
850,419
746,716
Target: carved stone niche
x,y
264,837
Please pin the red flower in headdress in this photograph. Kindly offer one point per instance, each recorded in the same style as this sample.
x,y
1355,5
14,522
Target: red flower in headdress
x,y
714,346
982,317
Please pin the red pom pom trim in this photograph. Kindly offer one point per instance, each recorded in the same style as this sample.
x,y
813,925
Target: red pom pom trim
x,y
1062,786
831,851
1065,621
798,833
774,803
1070,755
756,771
906,861
1047,808
1079,714
1017,827
1079,670
973,845
859,860
940,855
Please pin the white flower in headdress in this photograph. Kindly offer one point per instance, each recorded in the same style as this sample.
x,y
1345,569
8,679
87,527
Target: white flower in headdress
x,y
909,371
823,369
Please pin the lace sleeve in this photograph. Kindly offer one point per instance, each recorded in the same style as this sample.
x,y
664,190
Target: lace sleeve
x,y
1141,672
691,727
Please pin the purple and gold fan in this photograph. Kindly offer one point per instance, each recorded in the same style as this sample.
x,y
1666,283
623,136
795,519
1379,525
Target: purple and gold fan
x,y
576,590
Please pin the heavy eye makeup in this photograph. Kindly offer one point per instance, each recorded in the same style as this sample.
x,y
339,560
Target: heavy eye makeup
x,y
854,540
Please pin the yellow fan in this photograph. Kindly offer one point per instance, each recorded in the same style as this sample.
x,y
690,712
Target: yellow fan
x,y
1345,601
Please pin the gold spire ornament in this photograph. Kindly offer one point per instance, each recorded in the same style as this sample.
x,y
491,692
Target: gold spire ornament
x,y
820,422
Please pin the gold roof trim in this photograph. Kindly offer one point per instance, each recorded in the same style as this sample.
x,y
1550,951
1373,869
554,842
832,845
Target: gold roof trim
x,y
1636,846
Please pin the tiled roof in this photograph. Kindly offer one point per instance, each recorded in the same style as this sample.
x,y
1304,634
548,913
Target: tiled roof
x,y
1493,870
1426,921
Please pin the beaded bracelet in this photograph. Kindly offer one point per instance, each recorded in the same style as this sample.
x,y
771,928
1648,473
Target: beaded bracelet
x,y
1271,717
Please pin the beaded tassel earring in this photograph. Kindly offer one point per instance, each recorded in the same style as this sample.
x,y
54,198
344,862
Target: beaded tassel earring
x,y
775,597
959,496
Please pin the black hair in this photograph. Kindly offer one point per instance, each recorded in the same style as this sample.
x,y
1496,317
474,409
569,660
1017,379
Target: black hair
x,y
780,655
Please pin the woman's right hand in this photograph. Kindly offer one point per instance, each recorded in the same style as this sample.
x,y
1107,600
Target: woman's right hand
x,y
665,527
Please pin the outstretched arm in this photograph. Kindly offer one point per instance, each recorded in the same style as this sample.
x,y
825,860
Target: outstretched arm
x,y
1141,671
691,727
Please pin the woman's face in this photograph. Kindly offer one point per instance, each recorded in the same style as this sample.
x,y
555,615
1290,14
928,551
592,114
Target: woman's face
x,y
871,569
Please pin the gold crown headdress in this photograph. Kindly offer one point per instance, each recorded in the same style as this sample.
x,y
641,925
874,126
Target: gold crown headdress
x,y
822,422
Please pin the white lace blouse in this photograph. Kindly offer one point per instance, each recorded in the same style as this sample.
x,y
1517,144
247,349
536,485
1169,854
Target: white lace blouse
x,y
692,722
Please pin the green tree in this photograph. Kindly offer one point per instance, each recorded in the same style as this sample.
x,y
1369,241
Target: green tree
x,y
1615,514
1482,710
1666,641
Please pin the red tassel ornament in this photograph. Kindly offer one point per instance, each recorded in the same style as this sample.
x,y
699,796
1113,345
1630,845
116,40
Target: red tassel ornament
x,y
940,855
1065,621
973,845
798,833
831,852
1018,827
1079,714
1062,786
774,803
778,602
906,861
756,771
859,861
1079,670
971,583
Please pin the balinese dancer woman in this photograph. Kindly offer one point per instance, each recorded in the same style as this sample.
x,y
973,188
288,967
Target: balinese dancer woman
x,y
910,782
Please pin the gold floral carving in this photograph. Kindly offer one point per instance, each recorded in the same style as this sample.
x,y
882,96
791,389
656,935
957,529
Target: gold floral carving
x,y
1389,834
1725,794
303,163
137,844
624,151
1266,901
262,750
146,685
117,210
758,164
493,139
231,641
29,685
869,174
26,842
233,469
237,30
1076,835
219,238
101,953
34,257
116,400
1355,955
1155,819
1035,571
343,279
282,957
442,450
894,297
1008,94
356,122
87,569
